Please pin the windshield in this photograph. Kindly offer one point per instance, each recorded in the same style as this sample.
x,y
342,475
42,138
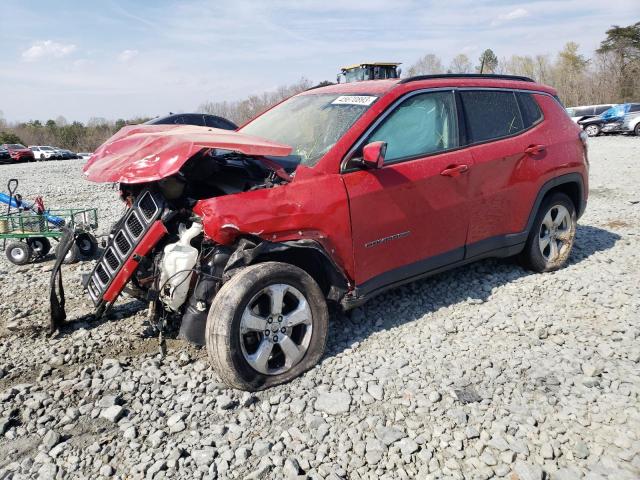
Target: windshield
x,y
16,146
310,124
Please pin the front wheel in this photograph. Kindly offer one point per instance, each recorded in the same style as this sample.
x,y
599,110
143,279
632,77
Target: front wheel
x,y
636,130
266,326
552,235
592,130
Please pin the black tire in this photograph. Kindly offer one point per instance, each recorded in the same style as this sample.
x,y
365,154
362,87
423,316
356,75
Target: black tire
x,y
592,130
40,246
227,349
72,256
18,253
636,130
535,256
43,158
87,245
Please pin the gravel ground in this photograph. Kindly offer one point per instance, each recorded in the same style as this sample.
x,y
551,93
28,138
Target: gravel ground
x,y
487,371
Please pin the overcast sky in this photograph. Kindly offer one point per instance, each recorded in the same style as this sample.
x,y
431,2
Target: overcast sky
x,y
118,58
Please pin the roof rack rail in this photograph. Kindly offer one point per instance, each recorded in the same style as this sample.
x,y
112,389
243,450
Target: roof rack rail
x,y
466,75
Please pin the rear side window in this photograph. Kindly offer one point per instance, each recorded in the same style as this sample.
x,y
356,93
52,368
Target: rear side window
x,y
531,113
635,107
491,115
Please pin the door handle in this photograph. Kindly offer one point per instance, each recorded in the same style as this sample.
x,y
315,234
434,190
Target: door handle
x,y
454,170
535,149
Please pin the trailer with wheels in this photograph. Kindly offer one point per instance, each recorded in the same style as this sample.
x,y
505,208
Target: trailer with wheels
x,y
27,231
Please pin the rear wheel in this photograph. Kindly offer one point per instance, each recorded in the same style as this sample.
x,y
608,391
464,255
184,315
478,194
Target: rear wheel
x,y
552,235
40,246
266,326
592,130
18,253
636,130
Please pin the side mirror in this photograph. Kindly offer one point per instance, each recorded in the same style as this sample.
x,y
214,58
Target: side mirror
x,y
373,154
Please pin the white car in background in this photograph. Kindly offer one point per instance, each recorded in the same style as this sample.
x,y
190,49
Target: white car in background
x,y
84,155
44,152
587,111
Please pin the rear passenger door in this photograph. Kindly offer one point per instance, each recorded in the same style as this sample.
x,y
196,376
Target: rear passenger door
x,y
504,138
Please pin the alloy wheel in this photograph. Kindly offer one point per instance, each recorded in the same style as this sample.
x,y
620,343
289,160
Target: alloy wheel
x,y
592,130
556,234
275,329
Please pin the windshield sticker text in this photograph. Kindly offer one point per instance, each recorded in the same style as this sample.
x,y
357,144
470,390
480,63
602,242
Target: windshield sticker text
x,y
364,100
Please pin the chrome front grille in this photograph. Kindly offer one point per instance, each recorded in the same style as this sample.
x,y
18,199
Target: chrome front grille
x,y
134,225
122,242
123,245
111,259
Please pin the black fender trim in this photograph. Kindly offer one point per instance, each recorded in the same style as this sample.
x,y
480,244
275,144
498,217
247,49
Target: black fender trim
x,y
250,251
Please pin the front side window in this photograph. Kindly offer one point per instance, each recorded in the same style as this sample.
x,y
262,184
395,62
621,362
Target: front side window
x,y
311,124
421,125
491,114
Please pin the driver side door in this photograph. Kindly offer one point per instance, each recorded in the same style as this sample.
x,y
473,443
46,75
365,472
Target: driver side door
x,y
411,215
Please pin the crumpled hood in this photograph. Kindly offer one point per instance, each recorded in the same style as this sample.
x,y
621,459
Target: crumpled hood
x,y
146,153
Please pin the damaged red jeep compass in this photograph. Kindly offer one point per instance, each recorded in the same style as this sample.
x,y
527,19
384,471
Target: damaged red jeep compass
x,y
332,197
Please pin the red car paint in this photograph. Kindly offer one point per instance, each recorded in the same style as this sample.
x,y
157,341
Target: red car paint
x,y
146,153
433,207
19,154
153,236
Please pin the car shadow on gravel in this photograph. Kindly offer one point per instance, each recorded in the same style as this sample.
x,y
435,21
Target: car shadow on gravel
x,y
590,240
472,283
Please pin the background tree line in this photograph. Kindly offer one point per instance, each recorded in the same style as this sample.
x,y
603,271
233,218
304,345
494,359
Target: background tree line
x,y
610,75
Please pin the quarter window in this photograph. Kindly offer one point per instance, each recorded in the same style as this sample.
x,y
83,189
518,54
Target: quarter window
x,y
531,113
491,114
423,124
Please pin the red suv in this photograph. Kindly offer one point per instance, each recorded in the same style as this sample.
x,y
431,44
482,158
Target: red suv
x,y
332,197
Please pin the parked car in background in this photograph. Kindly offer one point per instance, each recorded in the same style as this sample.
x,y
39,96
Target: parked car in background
x,y
44,152
67,154
4,155
588,111
84,155
227,229
610,121
19,153
631,122
200,119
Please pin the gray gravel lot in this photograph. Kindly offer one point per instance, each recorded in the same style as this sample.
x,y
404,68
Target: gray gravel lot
x,y
484,372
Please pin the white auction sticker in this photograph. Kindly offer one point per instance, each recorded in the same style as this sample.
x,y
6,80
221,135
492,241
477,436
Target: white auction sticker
x,y
354,100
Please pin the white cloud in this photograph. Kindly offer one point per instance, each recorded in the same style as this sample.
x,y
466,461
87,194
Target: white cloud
x,y
510,16
47,49
127,55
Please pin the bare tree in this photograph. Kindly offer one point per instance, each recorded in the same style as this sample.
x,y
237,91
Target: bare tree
x,y
242,110
427,65
460,64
